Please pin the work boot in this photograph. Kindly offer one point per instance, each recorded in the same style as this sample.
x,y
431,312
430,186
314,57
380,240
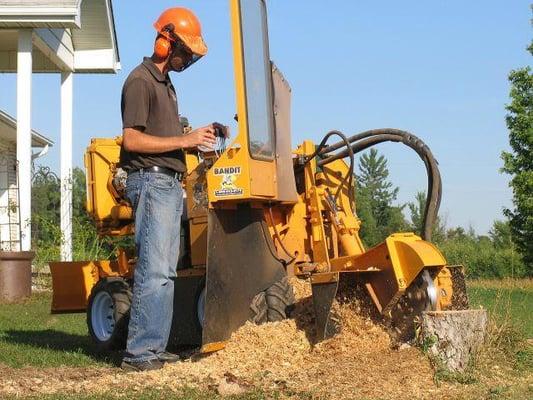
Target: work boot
x,y
137,366
168,357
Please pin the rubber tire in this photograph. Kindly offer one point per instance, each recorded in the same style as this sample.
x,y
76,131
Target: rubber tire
x,y
199,290
121,294
259,309
274,304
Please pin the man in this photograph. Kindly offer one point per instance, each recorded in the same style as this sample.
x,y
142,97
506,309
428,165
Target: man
x,y
152,154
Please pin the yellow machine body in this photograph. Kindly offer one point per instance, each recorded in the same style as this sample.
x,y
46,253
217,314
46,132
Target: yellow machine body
x,y
314,241
315,237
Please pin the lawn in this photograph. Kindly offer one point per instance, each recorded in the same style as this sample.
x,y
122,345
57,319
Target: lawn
x,y
31,336
505,301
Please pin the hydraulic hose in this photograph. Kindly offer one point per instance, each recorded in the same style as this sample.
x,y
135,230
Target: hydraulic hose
x,y
364,140
348,178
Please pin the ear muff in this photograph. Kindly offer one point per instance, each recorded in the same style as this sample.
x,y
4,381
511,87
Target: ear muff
x,y
162,47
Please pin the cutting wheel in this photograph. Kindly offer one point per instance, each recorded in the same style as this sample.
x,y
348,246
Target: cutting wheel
x,y
420,296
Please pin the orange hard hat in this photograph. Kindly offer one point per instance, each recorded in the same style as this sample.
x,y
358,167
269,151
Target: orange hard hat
x,y
184,24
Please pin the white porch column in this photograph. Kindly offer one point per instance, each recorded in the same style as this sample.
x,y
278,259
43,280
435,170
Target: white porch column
x,y
24,72
66,165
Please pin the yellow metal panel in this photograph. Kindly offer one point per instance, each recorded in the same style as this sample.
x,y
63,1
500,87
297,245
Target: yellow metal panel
x,y
88,181
409,254
198,237
443,281
197,203
107,268
344,219
235,175
399,260
212,347
72,283
263,178
100,155
315,208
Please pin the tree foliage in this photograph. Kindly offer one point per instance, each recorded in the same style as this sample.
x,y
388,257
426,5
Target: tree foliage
x,y
375,197
46,231
519,162
484,256
493,256
45,203
416,209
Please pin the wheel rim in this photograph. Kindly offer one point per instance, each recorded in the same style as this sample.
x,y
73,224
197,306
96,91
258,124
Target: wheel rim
x,y
200,308
103,316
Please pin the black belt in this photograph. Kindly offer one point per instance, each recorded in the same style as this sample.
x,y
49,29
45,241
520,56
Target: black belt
x,y
163,170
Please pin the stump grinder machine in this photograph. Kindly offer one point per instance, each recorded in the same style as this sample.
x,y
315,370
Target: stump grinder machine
x,y
258,212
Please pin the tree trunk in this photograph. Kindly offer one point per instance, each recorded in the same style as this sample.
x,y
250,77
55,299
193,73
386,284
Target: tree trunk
x,y
453,337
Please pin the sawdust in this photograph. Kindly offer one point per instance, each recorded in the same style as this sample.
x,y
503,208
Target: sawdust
x,y
357,363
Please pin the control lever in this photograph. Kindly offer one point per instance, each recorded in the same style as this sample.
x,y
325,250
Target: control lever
x,y
221,131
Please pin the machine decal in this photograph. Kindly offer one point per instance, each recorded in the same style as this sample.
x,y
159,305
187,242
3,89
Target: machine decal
x,y
227,185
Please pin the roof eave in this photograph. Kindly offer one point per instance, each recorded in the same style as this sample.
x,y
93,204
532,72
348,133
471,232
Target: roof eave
x,y
40,140
40,17
101,61
96,61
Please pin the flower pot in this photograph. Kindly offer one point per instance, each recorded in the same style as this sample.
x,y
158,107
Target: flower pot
x,y
15,275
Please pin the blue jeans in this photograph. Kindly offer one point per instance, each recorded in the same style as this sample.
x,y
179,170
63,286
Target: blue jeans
x,y
157,201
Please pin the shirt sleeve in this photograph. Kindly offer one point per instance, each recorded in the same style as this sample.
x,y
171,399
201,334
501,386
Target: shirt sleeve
x,y
135,104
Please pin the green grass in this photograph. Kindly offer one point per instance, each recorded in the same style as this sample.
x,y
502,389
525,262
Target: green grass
x,y
513,304
155,394
31,336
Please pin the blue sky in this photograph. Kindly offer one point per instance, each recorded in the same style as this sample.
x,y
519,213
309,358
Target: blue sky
x,y
436,68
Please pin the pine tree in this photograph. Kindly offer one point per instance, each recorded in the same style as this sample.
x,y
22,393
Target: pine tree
x,y
519,162
375,197
416,209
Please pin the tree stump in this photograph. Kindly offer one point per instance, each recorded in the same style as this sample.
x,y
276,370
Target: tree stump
x,y
453,337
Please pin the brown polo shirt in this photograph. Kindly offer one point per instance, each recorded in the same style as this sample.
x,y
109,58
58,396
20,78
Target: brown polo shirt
x,y
149,104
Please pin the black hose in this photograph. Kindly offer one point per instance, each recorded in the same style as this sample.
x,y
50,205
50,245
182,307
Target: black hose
x,y
348,178
364,135
370,138
292,257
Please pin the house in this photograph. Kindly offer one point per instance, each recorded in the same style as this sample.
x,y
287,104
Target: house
x,y
53,36
10,222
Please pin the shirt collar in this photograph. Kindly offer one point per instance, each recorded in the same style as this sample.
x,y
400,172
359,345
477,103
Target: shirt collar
x,y
157,74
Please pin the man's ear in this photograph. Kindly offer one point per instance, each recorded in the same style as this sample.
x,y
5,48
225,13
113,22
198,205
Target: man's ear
x,y
162,47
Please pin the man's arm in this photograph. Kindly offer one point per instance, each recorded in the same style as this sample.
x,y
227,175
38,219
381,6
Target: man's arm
x,y
135,141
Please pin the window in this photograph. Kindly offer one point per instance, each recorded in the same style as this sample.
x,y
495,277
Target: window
x,y
257,79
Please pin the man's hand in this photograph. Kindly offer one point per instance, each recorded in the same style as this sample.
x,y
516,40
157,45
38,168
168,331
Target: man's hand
x,y
204,137
136,141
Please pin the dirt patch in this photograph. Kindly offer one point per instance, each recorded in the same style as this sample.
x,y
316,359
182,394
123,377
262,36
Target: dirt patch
x,y
357,363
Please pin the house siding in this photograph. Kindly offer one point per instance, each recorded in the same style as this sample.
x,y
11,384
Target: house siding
x,y
9,201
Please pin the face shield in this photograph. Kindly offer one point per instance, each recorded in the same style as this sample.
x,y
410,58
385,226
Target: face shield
x,y
182,57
